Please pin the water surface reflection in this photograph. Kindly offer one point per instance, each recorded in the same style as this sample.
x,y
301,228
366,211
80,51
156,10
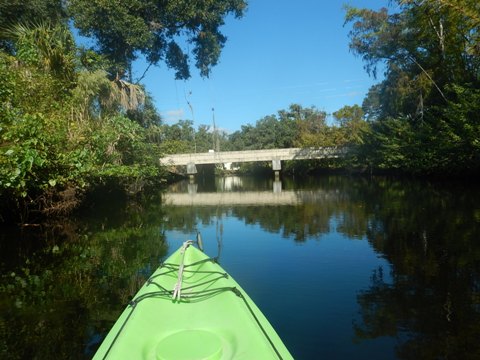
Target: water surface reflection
x,y
419,292
342,267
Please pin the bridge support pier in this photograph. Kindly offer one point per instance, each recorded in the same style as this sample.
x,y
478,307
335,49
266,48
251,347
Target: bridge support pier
x,y
276,166
191,170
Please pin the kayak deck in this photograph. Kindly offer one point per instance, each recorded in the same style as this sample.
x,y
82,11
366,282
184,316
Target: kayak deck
x,y
211,317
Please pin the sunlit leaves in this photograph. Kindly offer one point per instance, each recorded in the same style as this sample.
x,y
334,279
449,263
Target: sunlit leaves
x,y
369,31
289,128
49,47
428,51
52,140
157,30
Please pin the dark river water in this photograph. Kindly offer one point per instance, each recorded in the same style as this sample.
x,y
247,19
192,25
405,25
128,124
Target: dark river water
x,y
343,267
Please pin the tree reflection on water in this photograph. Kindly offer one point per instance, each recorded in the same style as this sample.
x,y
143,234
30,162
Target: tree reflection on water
x,y
431,238
66,294
428,233
65,283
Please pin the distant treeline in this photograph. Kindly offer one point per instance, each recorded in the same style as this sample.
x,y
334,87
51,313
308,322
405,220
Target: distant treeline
x,y
422,118
294,127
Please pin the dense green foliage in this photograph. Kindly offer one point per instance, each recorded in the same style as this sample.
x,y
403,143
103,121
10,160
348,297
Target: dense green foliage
x,y
293,127
69,119
155,29
182,137
54,136
424,114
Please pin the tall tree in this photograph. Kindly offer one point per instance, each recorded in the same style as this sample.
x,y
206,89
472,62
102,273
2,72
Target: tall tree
x,y
49,47
13,12
159,30
426,105
204,138
423,48
348,114
352,124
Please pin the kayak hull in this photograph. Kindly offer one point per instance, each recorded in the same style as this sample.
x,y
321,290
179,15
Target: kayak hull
x,y
210,318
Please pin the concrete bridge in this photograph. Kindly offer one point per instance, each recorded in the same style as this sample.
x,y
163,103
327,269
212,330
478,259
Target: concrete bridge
x,y
273,155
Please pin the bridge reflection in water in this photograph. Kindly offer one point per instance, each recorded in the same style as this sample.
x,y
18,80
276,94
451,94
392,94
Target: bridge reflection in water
x,y
226,197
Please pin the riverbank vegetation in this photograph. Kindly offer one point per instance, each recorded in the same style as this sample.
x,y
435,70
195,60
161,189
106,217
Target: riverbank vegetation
x,y
423,116
73,118
65,127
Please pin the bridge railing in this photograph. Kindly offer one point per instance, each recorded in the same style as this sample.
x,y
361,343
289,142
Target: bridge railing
x,y
254,155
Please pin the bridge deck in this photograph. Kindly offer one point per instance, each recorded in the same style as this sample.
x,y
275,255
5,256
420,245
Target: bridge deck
x,y
253,155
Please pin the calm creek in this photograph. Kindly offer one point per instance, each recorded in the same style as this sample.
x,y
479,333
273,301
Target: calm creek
x,y
343,267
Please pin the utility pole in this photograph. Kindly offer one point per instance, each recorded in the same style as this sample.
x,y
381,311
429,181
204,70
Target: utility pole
x,y
215,135
193,120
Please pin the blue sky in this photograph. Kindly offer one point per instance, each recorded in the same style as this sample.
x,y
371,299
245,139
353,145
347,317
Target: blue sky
x,y
281,52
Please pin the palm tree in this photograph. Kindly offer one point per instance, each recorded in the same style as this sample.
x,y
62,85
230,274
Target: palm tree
x,y
49,47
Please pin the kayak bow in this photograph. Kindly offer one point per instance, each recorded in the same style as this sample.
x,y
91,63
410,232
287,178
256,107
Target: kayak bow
x,y
207,315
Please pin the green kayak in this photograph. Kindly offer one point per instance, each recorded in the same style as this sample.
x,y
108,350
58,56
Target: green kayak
x,y
190,308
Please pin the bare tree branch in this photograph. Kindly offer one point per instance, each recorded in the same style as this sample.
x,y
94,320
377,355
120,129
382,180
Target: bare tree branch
x,y
144,74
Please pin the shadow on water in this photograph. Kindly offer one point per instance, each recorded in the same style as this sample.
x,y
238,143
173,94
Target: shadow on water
x,y
431,303
64,283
